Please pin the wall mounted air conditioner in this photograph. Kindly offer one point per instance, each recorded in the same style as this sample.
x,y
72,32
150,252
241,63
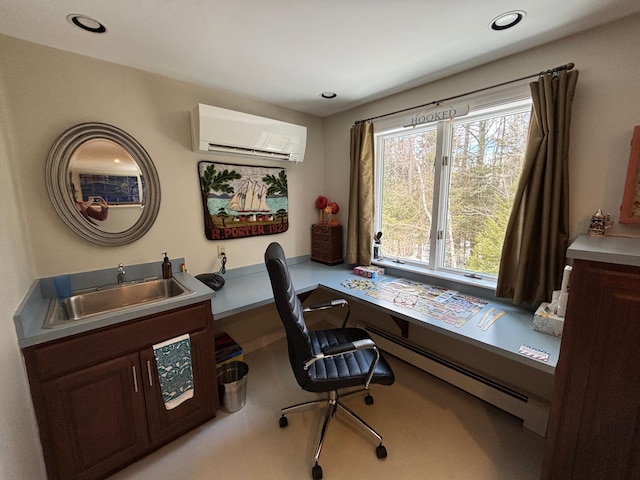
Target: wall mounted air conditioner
x,y
220,130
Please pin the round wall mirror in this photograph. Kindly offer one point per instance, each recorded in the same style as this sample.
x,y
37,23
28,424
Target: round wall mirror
x,y
103,184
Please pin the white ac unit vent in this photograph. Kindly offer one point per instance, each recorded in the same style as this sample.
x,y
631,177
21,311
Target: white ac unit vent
x,y
216,129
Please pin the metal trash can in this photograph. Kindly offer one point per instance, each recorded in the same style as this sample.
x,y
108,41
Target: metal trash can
x,y
232,385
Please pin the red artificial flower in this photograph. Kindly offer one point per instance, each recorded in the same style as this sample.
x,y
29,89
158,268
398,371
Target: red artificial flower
x,y
321,202
335,208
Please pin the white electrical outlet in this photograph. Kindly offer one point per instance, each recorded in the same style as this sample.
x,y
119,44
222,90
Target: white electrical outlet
x,y
222,251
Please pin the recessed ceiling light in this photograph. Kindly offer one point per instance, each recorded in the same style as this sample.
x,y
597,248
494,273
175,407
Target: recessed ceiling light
x,y
328,95
86,23
507,20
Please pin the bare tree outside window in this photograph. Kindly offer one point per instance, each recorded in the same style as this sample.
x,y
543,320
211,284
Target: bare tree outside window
x,y
478,180
408,178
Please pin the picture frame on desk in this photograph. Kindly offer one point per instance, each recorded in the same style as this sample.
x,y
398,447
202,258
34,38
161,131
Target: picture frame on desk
x,y
630,209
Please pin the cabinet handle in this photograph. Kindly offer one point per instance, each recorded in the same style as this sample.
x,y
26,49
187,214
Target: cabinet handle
x,y
150,374
135,379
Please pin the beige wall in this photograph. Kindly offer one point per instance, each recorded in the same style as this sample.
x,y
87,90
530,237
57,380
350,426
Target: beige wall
x,y
44,91
50,90
20,456
605,110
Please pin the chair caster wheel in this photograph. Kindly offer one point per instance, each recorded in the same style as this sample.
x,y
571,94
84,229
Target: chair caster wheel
x,y
316,472
368,399
381,451
283,422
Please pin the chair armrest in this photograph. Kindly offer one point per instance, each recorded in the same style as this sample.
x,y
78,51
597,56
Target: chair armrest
x,y
323,306
341,349
348,347
341,302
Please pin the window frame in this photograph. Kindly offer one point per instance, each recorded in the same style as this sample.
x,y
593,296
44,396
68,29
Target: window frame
x,y
514,99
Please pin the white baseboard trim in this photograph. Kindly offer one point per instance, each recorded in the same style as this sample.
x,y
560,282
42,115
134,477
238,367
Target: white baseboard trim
x,y
534,414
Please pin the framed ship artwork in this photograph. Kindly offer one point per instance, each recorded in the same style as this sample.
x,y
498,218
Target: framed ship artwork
x,y
630,209
242,200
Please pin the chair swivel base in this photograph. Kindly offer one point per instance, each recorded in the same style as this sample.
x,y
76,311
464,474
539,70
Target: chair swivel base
x,y
332,405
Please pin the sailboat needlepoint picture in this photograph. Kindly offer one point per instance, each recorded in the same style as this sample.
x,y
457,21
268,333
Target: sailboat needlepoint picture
x,y
242,200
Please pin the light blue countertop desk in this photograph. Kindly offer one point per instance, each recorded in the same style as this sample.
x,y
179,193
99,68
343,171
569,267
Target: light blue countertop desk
x,y
504,337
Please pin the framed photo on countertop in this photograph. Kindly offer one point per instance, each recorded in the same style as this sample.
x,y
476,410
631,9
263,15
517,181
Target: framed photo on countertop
x,y
630,210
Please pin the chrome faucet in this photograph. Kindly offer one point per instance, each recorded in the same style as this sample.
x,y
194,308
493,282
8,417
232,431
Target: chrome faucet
x,y
122,275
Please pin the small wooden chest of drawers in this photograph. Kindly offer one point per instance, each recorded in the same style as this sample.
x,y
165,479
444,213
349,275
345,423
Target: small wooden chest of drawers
x,y
326,243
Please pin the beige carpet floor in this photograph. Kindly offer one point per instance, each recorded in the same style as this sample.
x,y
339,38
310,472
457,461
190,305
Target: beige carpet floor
x,y
431,431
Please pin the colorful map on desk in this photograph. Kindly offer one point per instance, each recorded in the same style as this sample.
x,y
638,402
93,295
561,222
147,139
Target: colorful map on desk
x,y
448,306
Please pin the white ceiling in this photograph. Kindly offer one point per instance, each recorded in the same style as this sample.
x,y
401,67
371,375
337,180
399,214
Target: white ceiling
x,y
286,52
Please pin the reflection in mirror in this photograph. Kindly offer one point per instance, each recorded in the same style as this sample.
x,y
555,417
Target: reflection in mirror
x,y
107,185
103,184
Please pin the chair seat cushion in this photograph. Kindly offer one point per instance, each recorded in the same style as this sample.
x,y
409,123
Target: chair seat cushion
x,y
343,371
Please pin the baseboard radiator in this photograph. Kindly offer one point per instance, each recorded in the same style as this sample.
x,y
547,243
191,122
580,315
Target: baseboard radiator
x,y
533,413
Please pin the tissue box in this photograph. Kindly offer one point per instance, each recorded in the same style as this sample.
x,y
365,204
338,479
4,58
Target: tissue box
x,y
546,322
369,272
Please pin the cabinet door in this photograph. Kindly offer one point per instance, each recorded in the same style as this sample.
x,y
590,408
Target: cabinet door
x,y
594,427
166,424
96,418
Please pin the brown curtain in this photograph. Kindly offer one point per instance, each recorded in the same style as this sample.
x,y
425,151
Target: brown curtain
x,y
537,235
360,222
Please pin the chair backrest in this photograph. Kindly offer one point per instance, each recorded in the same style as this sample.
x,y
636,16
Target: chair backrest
x,y
290,311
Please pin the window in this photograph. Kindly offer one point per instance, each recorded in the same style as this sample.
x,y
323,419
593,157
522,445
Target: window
x,y
444,190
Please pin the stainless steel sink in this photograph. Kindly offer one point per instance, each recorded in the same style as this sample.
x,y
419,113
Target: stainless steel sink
x,y
93,302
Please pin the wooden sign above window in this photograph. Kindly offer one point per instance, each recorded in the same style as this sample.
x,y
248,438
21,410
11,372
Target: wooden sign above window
x,y
436,114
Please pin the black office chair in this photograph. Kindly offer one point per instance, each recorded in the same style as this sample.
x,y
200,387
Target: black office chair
x,y
325,360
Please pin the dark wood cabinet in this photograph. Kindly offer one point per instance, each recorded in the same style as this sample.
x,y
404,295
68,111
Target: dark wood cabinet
x,y
326,243
97,421
97,395
168,424
594,424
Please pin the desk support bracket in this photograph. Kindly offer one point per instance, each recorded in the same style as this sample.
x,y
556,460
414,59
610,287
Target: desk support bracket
x,y
304,295
402,324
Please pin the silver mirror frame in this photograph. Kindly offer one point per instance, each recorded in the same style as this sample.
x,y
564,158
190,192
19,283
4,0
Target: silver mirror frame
x,y
59,188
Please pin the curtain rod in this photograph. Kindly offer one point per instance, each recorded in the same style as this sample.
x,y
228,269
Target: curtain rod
x,y
567,67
